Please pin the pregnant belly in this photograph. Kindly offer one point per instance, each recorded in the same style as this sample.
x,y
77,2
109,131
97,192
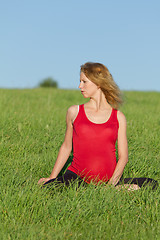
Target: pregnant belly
x,y
98,169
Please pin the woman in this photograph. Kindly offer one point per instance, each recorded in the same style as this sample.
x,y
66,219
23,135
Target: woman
x,y
94,128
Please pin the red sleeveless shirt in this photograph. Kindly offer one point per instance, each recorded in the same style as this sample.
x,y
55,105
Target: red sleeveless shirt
x,y
94,152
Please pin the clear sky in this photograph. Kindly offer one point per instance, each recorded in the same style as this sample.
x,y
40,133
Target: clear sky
x,y
52,38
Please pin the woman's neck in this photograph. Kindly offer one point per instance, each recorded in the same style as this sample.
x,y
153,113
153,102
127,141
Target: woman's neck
x,y
99,101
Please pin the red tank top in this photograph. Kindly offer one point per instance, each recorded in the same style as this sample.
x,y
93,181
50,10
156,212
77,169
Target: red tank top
x,y
94,152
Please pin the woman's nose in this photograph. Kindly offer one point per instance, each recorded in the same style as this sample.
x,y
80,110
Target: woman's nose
x,y
80,85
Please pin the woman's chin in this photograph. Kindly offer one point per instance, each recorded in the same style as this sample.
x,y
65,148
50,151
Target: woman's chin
x,y
85,96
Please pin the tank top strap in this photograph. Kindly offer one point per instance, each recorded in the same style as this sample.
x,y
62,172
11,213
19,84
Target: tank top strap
x,y
79,114
114,116
80,107
81,111
114,113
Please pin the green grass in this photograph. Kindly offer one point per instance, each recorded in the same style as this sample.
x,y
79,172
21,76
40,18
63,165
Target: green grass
x,y
32,129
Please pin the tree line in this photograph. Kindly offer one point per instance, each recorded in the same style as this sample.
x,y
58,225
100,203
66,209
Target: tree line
x,y
48,82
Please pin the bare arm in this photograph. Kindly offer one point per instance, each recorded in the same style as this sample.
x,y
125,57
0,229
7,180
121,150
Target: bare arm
x,y
65,148
122,150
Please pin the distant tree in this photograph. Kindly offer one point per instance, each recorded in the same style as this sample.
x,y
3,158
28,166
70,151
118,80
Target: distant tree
x,y
48,82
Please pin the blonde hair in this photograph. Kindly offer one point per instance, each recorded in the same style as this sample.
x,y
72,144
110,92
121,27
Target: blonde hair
x,y
100,75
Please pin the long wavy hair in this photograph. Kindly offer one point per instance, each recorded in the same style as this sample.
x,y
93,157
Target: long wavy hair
x,y
100,75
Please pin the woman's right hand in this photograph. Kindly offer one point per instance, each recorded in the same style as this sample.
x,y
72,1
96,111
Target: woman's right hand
x,y
43,180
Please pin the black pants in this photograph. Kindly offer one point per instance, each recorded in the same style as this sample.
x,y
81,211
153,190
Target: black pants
x,y
141,182
70,176
65,179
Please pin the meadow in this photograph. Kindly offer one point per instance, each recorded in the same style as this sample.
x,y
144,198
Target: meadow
x,y
32,129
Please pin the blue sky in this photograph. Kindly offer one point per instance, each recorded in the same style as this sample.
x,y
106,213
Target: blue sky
x,y
52,38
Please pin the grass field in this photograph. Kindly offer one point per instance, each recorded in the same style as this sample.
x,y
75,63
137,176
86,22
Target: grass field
x,y
32,129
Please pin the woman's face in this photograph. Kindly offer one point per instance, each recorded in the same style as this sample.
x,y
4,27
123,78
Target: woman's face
x,y
87,87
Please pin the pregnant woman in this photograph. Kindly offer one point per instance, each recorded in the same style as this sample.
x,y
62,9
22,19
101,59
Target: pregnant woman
x,y
92,129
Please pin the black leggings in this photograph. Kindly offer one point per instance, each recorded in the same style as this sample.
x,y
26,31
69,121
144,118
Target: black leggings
x,y
70,176
141,182
65,179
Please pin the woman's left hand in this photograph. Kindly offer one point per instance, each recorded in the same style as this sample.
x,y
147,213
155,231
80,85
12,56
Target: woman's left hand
x,y
43,180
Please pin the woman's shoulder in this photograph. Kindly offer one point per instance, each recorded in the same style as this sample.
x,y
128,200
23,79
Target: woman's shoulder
x,y
72,112
121,117
73,109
